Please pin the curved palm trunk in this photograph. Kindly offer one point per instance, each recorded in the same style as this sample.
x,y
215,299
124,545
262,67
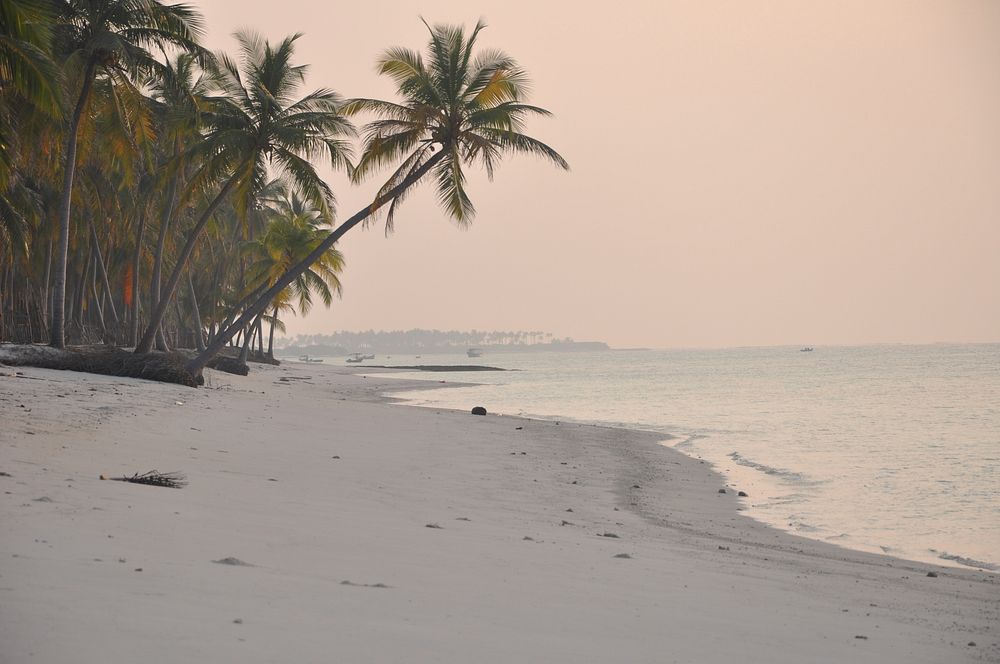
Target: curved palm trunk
x,y
199,340
99,257
294,272
156,316
58,330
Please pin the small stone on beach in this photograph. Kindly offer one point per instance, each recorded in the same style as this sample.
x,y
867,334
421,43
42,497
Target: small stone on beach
x,y
622,555
608,535
478,410
433,525
742,494
861,636
229,560
933,575
722,490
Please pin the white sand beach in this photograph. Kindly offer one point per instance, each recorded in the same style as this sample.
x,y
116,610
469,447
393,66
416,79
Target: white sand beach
x,y
323,523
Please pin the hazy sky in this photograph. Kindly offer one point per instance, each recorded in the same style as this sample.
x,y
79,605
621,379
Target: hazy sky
x,y
744,172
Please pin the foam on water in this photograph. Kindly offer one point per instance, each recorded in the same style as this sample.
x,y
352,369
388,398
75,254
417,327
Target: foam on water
x,y
881,448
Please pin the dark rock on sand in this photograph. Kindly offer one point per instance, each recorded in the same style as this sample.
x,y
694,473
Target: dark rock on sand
x,y
742,494
933,575
478,410
229,560
722,490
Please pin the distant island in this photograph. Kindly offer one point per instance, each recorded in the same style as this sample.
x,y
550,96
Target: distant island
x,y
418,342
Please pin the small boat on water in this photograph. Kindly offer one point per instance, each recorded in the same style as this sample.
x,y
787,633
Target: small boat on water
x,y
807,349
306,358
355,358
474,352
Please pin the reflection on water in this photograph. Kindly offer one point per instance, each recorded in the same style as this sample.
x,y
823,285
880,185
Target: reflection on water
x,y
875,447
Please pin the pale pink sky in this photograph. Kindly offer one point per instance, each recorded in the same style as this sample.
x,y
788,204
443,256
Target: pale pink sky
x,y
744,173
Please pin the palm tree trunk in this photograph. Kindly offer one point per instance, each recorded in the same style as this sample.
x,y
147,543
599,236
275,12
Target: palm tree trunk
x,y
270,336
156,316
58,330
104,271
199,340
168,213
136,257
46,300
264,301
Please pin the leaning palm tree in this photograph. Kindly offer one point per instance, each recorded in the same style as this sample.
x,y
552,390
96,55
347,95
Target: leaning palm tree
x,y
106,38
457,108
257,123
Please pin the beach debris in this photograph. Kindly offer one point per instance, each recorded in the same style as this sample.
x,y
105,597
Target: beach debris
x,y
742,494
722,490
608,535
462,518
138,569
972,644
518,428
723,548
622,555
335,456
933,575
238,621
566,523
172,480
861,636
569,509
478,410
230,560
635,486
528,539
433,525
345,582
43,499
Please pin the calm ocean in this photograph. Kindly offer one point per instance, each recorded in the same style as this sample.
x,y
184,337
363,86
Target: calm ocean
x,y
887,448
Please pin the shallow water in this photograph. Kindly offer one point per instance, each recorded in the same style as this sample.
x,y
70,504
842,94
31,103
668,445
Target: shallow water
x,y
882,448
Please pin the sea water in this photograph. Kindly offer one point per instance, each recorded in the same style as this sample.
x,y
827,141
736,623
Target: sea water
x,y
886,448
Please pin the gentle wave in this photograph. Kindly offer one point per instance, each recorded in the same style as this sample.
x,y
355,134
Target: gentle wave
x,y
770,470
968,562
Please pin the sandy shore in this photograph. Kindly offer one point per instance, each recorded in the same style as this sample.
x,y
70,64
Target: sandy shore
x,y
374,532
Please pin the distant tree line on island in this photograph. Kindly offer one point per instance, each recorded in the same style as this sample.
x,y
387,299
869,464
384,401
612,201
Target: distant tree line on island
x,y
417,341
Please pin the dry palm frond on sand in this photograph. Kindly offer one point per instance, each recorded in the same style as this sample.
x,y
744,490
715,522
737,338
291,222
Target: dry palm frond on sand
x,y
154,478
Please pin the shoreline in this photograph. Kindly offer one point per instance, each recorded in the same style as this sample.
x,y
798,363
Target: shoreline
x,y
464,517
738,477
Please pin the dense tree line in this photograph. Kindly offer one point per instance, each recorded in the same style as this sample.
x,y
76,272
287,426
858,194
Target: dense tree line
x,y
155,195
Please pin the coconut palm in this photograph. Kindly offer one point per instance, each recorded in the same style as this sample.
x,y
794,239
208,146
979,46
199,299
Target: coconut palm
x,y
457,108
107,38
254,125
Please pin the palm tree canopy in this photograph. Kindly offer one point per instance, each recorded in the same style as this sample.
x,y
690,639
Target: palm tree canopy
x,y
118,34
468,106
293,231
256,123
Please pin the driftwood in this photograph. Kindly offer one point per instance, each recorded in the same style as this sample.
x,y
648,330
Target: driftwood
x,y
108,361
231,365
153,478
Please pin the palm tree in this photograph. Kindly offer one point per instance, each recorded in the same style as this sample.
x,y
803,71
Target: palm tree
x,y
293,231
110,38
256,123
458,108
